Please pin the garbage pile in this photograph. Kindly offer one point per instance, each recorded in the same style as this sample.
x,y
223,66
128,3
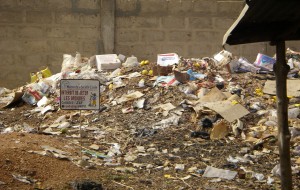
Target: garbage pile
x,y
217,100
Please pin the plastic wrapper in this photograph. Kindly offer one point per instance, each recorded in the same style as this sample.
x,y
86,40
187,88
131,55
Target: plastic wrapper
x,y
223,57
131,62
68,63
246,66
265,62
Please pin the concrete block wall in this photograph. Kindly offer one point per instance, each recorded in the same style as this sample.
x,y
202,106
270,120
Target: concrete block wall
x,y
192,28
36,33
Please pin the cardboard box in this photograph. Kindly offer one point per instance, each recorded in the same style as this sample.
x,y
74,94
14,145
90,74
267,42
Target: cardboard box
x,y
161,70
167,59
108,62
182,77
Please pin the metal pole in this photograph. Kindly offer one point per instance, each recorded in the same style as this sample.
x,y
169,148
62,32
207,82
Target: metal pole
x,y
281,70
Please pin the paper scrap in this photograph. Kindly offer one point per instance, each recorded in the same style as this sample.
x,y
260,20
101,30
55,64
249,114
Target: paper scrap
x,y
220,173
131,96
166,107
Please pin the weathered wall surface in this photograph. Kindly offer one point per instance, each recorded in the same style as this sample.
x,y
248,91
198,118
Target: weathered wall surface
x,y
192,28
36,33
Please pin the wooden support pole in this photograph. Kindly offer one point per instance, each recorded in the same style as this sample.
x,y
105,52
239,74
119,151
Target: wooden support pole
x,y
281,70
107,17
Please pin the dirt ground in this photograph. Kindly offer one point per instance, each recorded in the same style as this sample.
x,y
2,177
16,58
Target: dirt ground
x,y
148,158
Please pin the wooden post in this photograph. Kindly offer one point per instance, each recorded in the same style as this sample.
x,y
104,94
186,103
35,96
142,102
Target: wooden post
x,y
107,26
281,70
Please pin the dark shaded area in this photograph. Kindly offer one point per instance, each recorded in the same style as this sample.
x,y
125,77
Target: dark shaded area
x,y
86,185
266,20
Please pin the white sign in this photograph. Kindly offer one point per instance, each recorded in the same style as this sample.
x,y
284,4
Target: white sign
x,y
77,94
167,59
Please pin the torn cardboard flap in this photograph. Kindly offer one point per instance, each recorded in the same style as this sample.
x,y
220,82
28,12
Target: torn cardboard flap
x,y
293,87
219,131
9,99
166,107
213,95
226,109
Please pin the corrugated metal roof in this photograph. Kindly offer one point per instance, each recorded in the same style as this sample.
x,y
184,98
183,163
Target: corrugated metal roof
x,y
265,20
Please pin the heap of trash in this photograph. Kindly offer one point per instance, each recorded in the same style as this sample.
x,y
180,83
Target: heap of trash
x,y
221,99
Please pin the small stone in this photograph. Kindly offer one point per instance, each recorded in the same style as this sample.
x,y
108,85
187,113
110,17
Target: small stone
x,y
151,149
140,148
64,125
130,157
179,167
176,150
149,166
94,147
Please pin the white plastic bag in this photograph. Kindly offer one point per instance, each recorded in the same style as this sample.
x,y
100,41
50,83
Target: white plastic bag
x,y
68,63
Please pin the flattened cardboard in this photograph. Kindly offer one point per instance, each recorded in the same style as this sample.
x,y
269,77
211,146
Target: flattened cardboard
x,y
226,109
213,95
293,87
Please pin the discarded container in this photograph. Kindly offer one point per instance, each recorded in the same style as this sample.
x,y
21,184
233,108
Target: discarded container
x,y
107,62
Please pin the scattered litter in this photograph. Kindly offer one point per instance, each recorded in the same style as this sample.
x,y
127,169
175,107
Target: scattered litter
x,y
154,115
24,179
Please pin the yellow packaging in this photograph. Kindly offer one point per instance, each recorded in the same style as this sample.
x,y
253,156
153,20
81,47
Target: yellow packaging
x,y
46,72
